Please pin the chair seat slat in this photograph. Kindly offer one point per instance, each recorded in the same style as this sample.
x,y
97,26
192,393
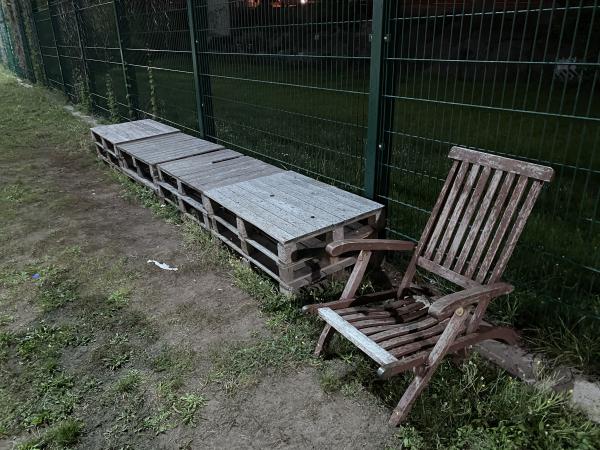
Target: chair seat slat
x,y
376,353
402,329
412,337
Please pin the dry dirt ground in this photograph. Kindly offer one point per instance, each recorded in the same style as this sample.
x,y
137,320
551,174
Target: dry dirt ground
x,y
145,338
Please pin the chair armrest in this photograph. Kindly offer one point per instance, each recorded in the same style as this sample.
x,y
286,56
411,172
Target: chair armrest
x,y
340,247
445,306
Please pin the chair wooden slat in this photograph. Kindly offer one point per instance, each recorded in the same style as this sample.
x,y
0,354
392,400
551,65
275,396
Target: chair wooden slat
x,y
374,322
379,355
414,347
448,205
403,329
489,225
510,165
379,328
513,237
436,208
357,317
427,333
443,272
358,309
466,220
456,214
410,271
505,221
477,222
399,313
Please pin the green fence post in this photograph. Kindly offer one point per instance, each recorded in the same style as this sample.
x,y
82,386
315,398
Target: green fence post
x,y
375,144
129,76
194,48
200,66
60,68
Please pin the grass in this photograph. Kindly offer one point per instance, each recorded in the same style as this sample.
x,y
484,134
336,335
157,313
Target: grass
x,y
63,435
129,383
37,391
146,197
56,289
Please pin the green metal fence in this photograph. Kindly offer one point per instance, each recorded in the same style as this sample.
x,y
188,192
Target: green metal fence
x,y
515,78
369,95
7,47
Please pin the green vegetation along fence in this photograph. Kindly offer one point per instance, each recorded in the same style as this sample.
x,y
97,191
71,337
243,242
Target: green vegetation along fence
x,y
369,95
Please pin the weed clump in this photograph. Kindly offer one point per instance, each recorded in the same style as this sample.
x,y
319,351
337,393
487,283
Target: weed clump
x,y
63,435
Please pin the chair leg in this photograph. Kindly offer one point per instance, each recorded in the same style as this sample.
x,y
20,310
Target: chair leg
x,y
425,372
410,395
324,339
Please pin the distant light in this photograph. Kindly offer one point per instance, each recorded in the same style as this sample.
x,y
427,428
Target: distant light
x,y
303,2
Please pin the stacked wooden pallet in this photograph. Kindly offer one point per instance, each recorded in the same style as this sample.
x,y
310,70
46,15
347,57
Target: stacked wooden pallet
x,y
184,182
279,221
283,222
107,137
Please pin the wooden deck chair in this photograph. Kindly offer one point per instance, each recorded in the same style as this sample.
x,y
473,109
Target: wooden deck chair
x,y
468,240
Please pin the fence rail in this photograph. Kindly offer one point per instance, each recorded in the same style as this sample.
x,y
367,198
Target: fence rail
x,y
367,95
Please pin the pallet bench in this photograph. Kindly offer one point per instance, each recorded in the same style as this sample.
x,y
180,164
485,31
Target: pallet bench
x,y
139,159
107,137
184,182
282,222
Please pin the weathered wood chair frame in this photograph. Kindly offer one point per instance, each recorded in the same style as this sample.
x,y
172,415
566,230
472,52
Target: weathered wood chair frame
x,y
468,240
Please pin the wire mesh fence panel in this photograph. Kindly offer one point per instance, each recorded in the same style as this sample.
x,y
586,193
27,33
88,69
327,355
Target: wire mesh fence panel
x,y
157,50
287,81
95,24
47,43
515,78
64,26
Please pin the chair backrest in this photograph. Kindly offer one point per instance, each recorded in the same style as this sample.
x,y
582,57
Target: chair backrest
x,y
478,217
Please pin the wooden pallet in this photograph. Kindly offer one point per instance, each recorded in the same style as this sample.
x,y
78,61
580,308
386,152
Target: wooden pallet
x,y
184,182
282,222
138,159
107,137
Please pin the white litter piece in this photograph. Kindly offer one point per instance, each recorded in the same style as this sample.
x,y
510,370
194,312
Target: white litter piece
x,y
162,266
